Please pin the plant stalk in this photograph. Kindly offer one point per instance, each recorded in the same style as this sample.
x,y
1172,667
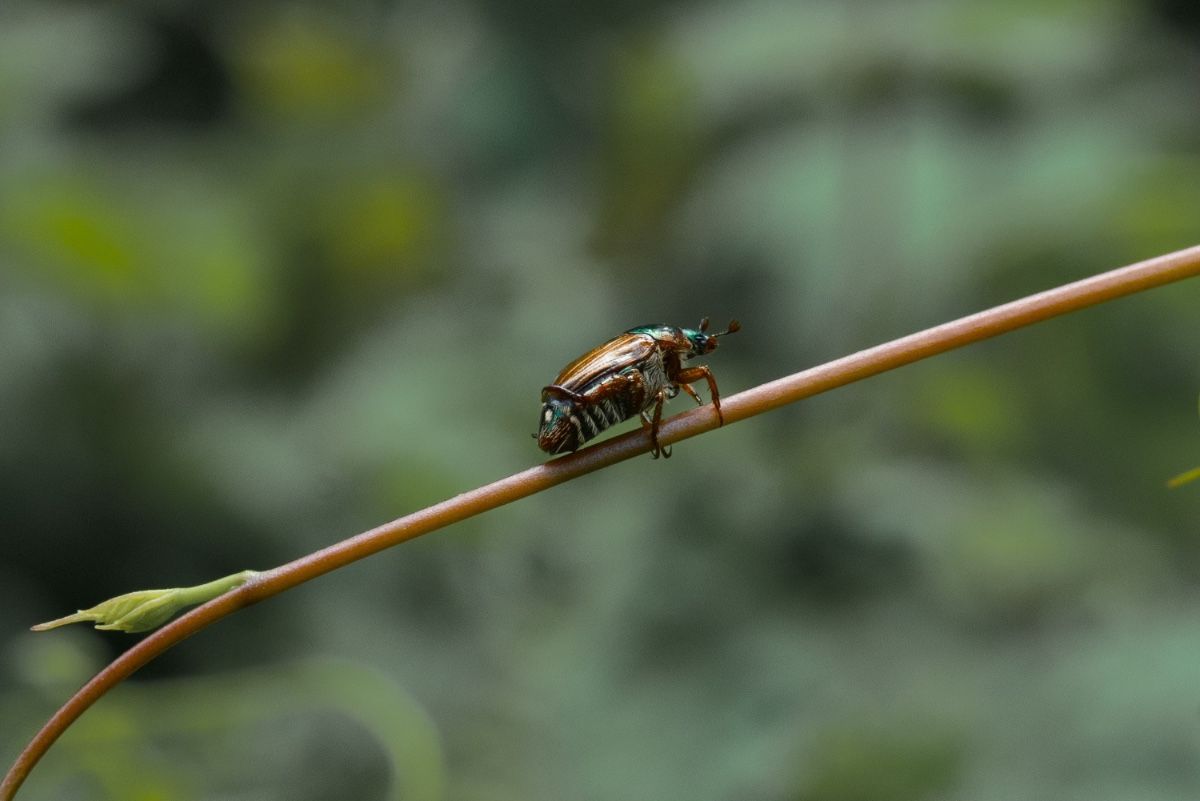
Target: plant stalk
x,y
872,361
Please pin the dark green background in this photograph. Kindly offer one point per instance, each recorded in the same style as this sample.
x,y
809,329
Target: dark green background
x,y
273,273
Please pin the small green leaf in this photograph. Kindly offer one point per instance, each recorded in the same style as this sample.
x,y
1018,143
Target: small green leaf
x,y
148,609
134,611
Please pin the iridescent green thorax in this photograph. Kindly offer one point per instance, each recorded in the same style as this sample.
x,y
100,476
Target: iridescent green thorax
x,y
670,337
687,342
656,330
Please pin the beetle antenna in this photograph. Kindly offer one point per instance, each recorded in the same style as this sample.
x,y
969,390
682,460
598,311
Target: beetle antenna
x,y
733,327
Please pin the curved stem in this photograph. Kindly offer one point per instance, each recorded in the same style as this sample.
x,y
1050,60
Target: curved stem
x,y
983,325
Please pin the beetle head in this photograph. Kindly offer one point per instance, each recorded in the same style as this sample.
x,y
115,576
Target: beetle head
x,y
703,342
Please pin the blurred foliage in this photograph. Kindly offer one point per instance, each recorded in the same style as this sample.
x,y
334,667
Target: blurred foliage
x,y
242,734
272,273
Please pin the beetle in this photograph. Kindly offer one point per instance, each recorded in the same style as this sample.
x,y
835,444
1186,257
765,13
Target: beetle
x,y
629,375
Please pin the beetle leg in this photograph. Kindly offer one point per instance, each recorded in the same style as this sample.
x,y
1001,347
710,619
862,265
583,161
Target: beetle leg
x,y
687,376
695,396
653,425
646,424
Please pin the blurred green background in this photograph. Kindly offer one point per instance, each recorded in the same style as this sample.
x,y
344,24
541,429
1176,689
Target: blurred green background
x,y
273,273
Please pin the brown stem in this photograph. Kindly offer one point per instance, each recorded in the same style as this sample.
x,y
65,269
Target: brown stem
x,y
1001,319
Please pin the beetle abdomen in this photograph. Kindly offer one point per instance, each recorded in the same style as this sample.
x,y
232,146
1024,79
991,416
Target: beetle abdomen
x,y
561,426
601,414
569,421
565,424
